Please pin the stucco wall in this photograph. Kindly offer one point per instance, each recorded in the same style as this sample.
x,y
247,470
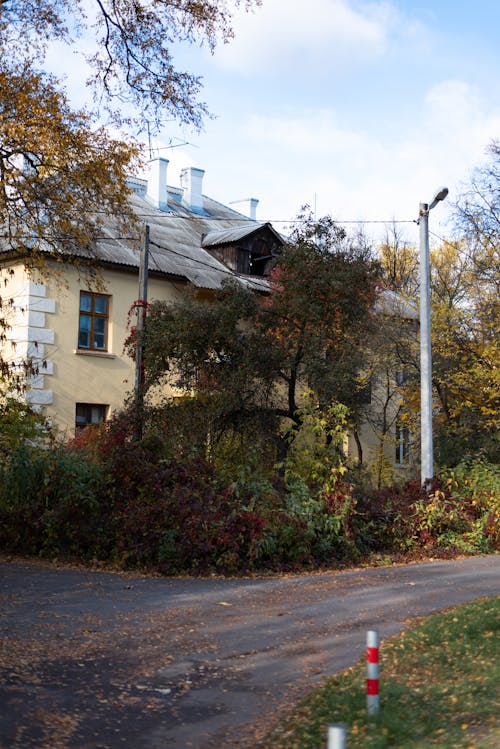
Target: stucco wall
x,y
44,318
44,325
379,449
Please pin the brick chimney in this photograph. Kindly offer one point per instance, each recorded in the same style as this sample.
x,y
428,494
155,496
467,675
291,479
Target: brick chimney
x,y
191,183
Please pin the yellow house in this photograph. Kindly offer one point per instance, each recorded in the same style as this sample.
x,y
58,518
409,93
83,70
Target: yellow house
x,y
385,441
75,332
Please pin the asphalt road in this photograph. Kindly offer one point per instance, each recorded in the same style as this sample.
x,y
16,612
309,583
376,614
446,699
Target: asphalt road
x,y
95,660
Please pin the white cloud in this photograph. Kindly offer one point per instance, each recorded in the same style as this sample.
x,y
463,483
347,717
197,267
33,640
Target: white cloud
x,y
395,132
282,32
316,131
456,112
357,174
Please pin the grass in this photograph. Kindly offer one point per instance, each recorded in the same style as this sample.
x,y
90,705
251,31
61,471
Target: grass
x,y
439,687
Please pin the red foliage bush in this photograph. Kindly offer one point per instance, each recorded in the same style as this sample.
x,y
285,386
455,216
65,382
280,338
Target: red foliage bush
x,y
107,496
168,513
385,521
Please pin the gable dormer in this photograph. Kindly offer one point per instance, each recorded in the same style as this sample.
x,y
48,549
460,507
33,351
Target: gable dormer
x,y
248,250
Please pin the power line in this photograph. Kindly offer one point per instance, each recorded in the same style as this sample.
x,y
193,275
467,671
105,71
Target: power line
x,y
193,260
341,221
441,239
154,244
246,219
59,240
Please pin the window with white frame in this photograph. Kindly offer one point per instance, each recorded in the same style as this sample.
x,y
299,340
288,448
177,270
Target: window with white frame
x,y
403,443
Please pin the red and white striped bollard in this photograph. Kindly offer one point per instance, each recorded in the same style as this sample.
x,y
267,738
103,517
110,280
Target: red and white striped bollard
x,y
372,674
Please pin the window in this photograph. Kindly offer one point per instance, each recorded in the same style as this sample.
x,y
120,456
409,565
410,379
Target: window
x,y
402,444
93,321
401,377
88,414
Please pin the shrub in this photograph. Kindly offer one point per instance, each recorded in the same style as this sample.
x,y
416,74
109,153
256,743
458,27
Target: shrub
x,y
465,512
21,502
104,495
49,503
315,455
385,521
309,530
173,514
461,513
72,517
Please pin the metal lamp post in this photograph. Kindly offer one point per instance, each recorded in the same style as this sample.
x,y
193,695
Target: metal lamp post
x,y
426,444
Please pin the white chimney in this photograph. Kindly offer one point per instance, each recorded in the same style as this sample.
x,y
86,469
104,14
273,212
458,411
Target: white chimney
x,y
250,206
253,208
157,183
191,183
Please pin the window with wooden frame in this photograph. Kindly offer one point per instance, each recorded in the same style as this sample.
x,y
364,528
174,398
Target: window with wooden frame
x,y
88,414
93,321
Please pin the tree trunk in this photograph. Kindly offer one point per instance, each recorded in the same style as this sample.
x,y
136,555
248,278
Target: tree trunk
x,y
359,446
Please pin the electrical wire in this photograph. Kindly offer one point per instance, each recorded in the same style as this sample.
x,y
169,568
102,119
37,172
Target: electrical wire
x,y
48,238
246,219
441,239
221,269
193,260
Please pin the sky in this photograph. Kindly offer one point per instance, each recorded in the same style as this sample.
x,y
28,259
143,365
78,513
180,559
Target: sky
x,y
359,109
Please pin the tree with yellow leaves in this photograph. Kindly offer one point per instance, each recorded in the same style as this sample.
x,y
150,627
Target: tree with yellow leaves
x,y
466,355
129,48
60,171
466,321
465,301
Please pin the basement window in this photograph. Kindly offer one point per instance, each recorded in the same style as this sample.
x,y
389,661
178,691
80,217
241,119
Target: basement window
x,y
89,414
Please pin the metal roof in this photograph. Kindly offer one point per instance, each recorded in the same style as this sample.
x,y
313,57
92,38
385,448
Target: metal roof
x,y
179,238
176,238
393,304
227,236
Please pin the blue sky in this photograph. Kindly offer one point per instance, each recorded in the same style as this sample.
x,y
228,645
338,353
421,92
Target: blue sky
x,y
360,108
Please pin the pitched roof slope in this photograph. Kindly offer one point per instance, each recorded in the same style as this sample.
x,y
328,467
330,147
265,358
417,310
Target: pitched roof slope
x,y
234,234
176,238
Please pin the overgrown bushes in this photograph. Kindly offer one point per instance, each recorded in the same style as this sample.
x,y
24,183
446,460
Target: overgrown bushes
x,y
106,497
49,503
461,513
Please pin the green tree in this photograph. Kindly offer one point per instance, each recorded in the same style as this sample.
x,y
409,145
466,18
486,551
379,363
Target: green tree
x,y
248,359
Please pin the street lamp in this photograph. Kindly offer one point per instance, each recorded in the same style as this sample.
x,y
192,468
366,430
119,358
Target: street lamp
x,y
426,447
